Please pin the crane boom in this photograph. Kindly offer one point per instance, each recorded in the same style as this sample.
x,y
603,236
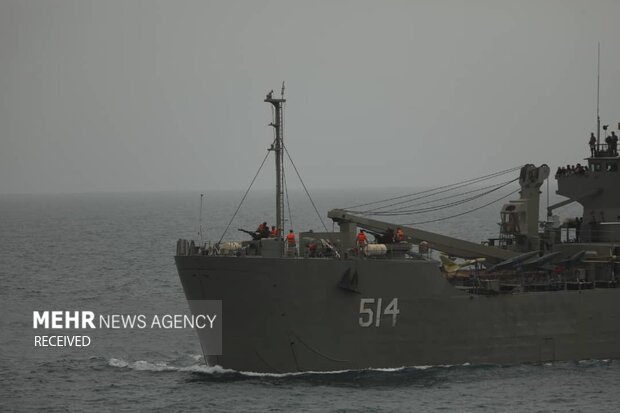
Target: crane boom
x,y
449,245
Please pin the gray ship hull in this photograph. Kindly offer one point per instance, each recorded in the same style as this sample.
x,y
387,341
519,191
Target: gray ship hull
x,y
288,315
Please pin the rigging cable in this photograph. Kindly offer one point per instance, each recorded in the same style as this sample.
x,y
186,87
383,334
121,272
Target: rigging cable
x,y
305,189
450,186
463,213
435,193
244,196
445,197
288,205
403,211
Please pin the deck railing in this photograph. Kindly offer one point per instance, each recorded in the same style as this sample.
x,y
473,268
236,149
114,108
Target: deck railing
x,y
602,150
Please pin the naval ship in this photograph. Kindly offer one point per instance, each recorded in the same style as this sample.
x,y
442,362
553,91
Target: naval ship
x,y
539,292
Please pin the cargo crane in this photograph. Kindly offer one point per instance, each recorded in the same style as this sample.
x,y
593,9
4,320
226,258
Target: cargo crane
x,y
519,225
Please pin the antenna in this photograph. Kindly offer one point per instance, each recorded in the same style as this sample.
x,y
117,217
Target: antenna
x,y
548,212
200,220
598,88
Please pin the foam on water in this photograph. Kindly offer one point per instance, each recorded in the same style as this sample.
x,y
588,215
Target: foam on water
x,y
143,365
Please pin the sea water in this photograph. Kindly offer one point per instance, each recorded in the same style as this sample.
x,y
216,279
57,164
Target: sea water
x,y
113,254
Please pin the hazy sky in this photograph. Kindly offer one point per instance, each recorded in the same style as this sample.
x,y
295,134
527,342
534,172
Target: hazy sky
x,y
153,95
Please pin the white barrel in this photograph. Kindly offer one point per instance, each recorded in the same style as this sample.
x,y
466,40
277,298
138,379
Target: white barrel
x,y
230,248
375,250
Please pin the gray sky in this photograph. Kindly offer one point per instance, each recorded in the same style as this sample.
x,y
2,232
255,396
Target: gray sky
x,y
152,95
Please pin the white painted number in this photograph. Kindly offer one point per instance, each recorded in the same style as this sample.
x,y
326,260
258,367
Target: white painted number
x,y
369,317
392,308
364,310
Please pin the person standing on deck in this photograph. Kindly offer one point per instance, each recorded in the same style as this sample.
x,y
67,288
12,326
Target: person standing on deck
x,y
592,143
361,241
290,239
608,141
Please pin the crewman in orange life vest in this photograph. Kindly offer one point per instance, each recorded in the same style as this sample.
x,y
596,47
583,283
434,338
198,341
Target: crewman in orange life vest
x,y
361,239
274,232
290,238
263,230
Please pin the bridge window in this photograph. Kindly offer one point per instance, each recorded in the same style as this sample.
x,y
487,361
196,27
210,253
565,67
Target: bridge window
x,y
611,167
595,166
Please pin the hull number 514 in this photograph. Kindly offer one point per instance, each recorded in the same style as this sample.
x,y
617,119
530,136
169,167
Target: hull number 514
x,y
371,311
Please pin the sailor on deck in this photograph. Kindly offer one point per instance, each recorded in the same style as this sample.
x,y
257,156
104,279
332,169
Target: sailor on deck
x,y
263,230
290,239
592,144
614,144
361,240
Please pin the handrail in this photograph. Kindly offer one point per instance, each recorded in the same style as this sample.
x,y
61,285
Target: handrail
x,y
604,150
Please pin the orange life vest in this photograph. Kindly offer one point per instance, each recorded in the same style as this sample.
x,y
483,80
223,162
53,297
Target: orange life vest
x,y
290,238
361,238
274,232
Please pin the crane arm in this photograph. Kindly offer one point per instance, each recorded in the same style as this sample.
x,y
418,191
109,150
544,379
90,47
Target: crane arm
x,y
449,245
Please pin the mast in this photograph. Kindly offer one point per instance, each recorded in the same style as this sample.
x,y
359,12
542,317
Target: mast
x,y
598,82
278,148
